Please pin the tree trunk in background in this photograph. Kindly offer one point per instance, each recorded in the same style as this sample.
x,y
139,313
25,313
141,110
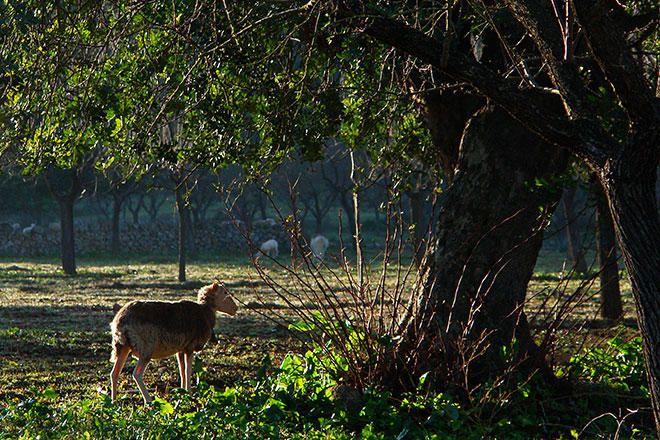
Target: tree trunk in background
x,y
154,202
416,199
261,204
488,236
117,200
183,232
318,205
610,294
65,187
347,206
318,222
67,240
134,209
573,237
191,248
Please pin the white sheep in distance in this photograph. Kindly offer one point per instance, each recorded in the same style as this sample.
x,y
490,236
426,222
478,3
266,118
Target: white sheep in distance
x,y
157,329
28,230
269,248
319,245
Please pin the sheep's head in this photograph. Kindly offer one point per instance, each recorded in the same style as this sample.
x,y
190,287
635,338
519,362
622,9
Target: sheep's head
x,y
218,297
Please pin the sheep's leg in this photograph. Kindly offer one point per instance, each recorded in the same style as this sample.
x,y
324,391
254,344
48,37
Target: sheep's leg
x,y
189,364
138,372
122,355
180,359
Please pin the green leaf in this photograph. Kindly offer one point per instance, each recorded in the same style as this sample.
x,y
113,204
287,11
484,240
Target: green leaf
x,y
302,326
163,406
50,393
422,379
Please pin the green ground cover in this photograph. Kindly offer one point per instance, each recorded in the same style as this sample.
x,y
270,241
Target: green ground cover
x,y
256,380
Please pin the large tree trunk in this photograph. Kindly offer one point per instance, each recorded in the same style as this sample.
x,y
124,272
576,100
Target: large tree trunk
x,y
610,294
630,187
487,240
573,238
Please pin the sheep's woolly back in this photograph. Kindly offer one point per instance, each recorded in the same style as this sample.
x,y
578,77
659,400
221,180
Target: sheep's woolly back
x,y
157,329
161,328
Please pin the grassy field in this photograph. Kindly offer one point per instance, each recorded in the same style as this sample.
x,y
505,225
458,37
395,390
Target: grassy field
x,y
54,329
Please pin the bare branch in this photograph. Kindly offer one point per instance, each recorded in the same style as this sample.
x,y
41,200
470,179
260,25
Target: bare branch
x,y
608,44
534,109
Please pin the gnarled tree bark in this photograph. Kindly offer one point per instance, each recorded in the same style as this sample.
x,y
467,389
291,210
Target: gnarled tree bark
x,y
489,233
629,183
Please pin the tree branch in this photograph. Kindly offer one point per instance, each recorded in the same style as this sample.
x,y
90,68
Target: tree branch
x,y
537,111
608,46
536,16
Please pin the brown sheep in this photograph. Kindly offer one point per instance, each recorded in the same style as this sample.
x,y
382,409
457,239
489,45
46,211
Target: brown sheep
x,y
157,329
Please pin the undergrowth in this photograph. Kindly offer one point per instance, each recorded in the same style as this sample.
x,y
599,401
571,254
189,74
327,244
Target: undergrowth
x,y
300,399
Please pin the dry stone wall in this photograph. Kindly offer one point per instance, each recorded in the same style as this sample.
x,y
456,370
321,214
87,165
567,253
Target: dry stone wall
x,y
142,239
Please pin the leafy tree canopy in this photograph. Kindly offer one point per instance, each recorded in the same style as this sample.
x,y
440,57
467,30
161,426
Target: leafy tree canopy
x,y
140,84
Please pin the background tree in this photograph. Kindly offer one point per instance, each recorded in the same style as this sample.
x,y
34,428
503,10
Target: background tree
x,y
243,199
180,178
202,197
153,201
574,241
610,295
316,197
66,187
336,174
134,203
120,188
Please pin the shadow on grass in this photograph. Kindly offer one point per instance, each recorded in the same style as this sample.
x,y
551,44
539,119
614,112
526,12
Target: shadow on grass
x,y
30,275
176,286
61,317
592,324
97,318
